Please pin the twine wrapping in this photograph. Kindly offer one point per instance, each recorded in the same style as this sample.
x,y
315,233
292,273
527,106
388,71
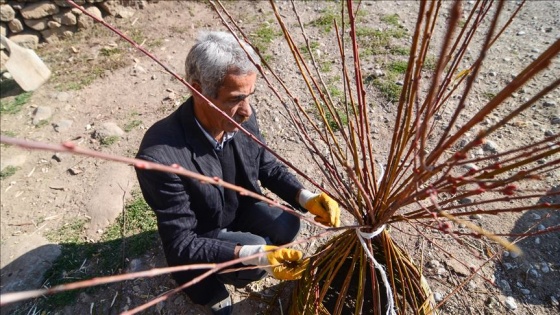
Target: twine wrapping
x,y
362,236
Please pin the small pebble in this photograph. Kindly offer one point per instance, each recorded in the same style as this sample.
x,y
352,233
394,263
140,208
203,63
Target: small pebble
x,y
534,273
510,303
433,263
438,297
525,291
549,104
504,285
520,33
554,301
545,268
535,216
490,145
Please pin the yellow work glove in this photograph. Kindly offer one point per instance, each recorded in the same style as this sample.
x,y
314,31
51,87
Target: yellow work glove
x,y
283,263
324,208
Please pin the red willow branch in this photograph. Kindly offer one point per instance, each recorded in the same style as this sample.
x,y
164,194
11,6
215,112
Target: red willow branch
x,y
142,164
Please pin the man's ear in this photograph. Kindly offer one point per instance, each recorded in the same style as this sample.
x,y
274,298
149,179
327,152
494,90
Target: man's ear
x,y
197,87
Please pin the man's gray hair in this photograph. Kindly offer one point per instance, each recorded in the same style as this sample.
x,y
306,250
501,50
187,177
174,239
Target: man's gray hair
x,y
213,56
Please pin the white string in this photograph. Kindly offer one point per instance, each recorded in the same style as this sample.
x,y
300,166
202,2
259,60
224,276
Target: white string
x,y
378,266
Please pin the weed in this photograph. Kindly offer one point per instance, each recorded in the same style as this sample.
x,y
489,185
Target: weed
x,y
69,233
9,133
375,42
110,51
334,91
398,50
392,19
42,123
137,218
8,171
388,86
263,36
489,95
131,125
107,141
332,122
398,66
325,21
312,44
14,106
131,235
325,65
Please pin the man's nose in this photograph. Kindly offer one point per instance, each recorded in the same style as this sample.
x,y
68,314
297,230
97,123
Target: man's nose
x,y
245,108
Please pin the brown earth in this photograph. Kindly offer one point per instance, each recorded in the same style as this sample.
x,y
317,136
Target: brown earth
x,y
43,196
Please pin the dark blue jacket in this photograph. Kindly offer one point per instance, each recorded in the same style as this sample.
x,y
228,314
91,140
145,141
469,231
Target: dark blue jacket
x,y
189,213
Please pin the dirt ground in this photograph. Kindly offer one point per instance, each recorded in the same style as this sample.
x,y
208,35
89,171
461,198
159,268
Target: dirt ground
x,y
49,192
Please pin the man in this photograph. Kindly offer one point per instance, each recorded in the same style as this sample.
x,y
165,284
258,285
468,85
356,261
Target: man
x,y
201,223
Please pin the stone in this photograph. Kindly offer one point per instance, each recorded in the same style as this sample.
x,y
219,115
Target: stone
x,y
15,26
438,297
94,11
433,263
26,40
3,59
63,125
504,285
7,13
3,29
108,129
41,113
525,291
65,4
66,18
17,6
535,216
39,10
125,12
84,22
490,146
549,104
52,35
457,267
510,303
63,96
37,24
53,24
107,190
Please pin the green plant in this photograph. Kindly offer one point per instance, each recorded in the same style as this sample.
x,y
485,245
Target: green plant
x,y
8,171
131,125
326,20
131,235
42,123
398,66
107,141
392,19
14,106
263,36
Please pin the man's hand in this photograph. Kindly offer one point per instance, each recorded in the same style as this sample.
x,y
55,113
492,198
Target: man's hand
x,y
283,263
324,208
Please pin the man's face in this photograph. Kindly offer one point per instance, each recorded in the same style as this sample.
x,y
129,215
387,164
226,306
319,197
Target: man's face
x,y
233,99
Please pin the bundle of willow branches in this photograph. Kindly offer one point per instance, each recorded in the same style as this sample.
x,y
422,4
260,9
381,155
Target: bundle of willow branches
x,y
426,171
363,269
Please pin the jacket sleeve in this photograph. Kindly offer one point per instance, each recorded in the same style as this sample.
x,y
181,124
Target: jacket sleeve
x,y
168,196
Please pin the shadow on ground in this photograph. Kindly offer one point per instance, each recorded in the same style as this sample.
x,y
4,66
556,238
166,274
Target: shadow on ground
x,y
533,277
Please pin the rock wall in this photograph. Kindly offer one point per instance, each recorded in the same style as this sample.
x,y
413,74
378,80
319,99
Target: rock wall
x,y
29,22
